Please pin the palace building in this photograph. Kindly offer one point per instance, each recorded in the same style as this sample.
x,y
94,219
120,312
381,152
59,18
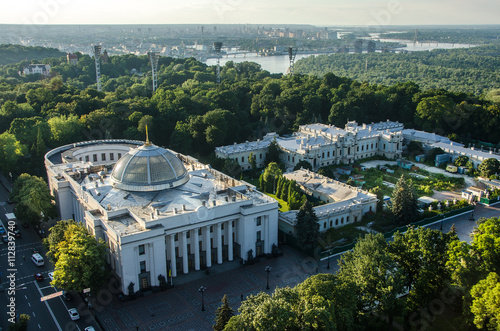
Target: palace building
x,y
160,213
322,145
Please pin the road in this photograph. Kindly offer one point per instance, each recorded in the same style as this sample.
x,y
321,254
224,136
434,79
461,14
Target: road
x,y
48,315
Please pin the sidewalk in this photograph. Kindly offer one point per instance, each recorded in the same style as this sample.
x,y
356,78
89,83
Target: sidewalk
x,y
179,308
5,182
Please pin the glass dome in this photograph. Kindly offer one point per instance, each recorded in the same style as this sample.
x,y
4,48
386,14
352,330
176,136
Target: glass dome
x,y
148,168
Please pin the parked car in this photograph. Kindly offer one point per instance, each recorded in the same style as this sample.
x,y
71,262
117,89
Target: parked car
x,y
51,276
39,277
17,234
73,313
2,230
89,328
5,238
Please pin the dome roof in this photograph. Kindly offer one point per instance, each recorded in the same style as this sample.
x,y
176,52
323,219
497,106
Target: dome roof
x,y
148,168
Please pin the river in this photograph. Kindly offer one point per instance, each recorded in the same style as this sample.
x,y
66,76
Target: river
x,y
280,63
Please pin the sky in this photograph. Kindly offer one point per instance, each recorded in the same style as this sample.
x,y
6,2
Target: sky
x,y
314,12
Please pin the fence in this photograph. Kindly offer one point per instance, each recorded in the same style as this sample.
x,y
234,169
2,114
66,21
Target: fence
x,y
389,234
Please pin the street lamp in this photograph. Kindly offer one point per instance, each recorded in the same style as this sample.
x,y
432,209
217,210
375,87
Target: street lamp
x,y
268,270
202,290
328,264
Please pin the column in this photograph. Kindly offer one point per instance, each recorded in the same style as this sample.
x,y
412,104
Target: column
x,y
219,243
185,253
196,249
173,262
230,240
208,246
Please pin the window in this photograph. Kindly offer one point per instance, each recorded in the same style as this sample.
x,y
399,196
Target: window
x,y
293,159
288,157
111,156
371,146
357,149
347,219
211,228
333,153
259,220
222,226
376,144
397,146
337,221
324,225
363,147
80,159
384,147
258,235
342,220
199,232
143,266
348,150
260,156
95,157
141,250
323,155
340,152
188,234
176,237
87,158
331,223
119,155
242,159
328,154
370,208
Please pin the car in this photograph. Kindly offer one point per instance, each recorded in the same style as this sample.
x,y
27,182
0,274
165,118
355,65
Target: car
x,y
39,277
9,201
51,276
89,328
73,313
5,238
17,234
2,230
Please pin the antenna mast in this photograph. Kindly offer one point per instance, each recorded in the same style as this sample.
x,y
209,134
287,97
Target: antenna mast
x,y
217,48
291,55
96,50
153,58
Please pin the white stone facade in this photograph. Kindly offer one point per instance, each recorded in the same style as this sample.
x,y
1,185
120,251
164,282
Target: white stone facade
x,y
210,219
344,204
42,69
322,145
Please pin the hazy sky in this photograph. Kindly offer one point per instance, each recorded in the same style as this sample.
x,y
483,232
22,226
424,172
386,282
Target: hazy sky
x,y
316,12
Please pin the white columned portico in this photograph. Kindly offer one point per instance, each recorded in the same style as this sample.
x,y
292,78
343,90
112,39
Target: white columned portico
x,y
185,255
208,246
196,249
230,240
173,263
218,233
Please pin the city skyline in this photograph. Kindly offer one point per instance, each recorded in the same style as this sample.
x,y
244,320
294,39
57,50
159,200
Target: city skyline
x,y
317,12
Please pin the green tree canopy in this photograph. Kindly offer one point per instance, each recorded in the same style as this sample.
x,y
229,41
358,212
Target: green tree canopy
x,y
307,226
404,202
486,303
81,260
11,151
461,161
33,199
489,167
223,314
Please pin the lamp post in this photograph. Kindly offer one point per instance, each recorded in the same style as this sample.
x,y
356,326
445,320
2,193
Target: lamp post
x,y
202,290
268,270
328,264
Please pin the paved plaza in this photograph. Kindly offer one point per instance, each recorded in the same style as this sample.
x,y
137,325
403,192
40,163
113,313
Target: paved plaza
x,y
179,308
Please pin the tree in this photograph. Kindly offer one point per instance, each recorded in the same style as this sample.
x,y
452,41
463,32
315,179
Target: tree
x,y
422,254
302,164
253,161
273,153
307,226
461,161
404,202
380,196
33,199
377,277
21,325
55,237
11,151
81,260
223,314
65,129
489,167
486,303
270,177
